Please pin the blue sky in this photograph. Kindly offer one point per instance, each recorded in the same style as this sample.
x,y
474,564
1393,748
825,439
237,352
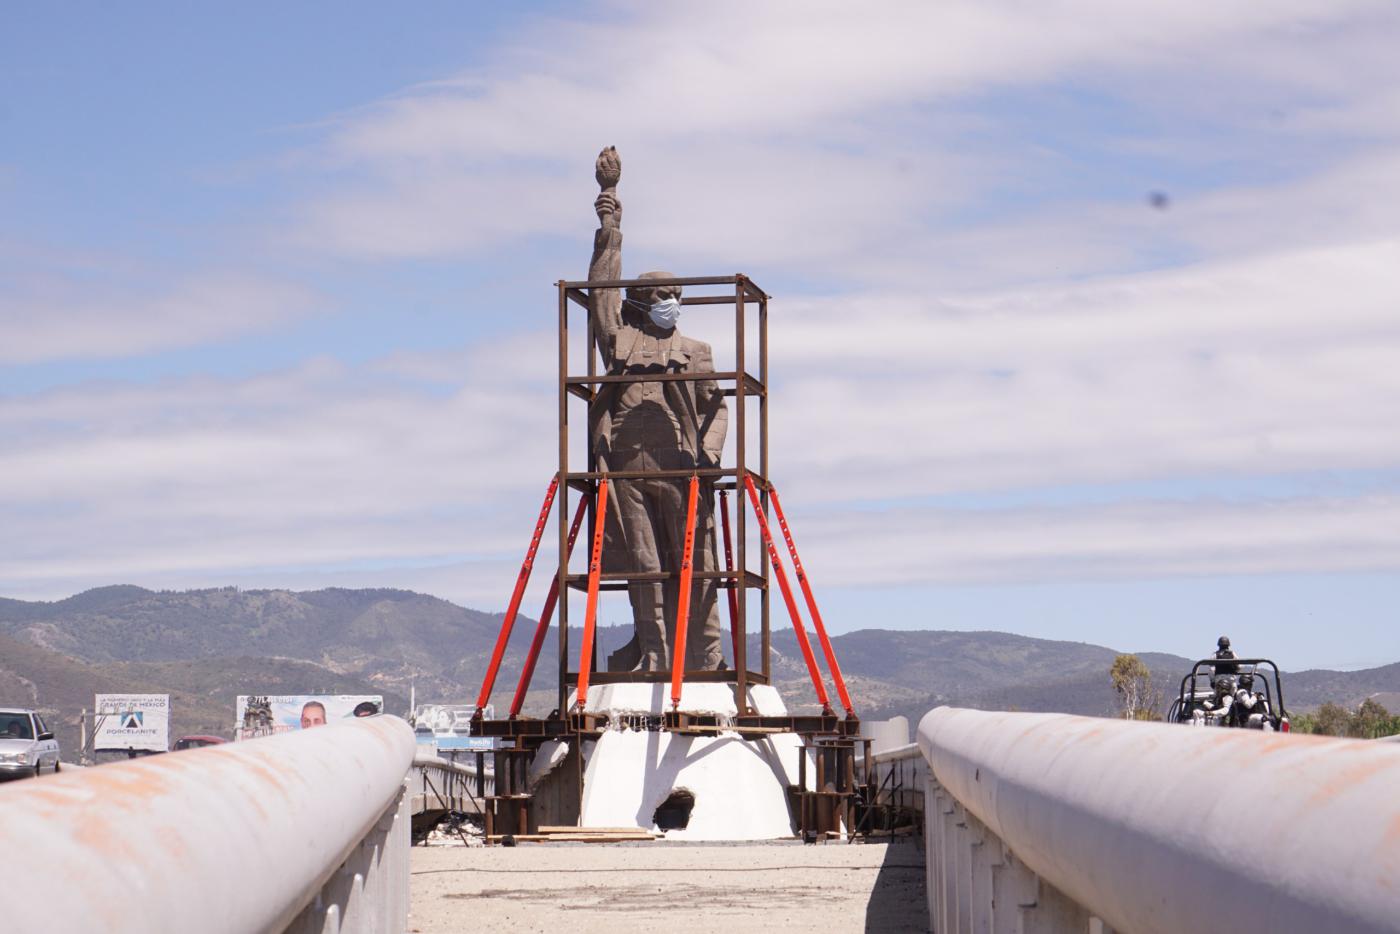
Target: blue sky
x,y
276,305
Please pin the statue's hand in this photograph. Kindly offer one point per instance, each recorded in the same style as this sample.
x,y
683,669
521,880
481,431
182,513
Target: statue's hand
x,y
608,169
607,206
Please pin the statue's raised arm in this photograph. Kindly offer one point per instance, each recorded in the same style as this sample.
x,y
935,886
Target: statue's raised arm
x,y
607,250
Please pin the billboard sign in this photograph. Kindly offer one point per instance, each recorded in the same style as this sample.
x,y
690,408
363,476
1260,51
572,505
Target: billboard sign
x,y
467,743
270,714
449,726
132,721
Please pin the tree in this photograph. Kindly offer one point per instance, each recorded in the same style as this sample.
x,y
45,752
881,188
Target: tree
x,y
1332,720
1132,681
1371,720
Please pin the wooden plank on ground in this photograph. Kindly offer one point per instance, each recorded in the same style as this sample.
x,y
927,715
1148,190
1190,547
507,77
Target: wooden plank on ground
x,y
599,837
575,837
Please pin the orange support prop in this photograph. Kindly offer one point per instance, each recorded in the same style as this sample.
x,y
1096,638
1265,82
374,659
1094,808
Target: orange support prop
x,y
590,616
508,623
817,624
683,602
528,672
729,569
786,588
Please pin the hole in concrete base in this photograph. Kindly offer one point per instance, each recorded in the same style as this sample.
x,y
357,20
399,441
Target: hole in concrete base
x,y
674,812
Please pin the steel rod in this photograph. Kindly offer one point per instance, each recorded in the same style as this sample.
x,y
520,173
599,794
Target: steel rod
x,y
786,588
729,569
521,581
832,665
527,673
754,385
590,616
723,676
702,472
683,598
648,283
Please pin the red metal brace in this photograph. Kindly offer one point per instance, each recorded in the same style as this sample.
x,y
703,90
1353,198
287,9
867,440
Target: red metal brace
x,y
528,672
590,616
729,569
786,588
509,622
683,603
830,653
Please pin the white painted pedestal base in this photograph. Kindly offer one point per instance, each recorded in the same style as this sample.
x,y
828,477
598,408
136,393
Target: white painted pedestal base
x,y
739,786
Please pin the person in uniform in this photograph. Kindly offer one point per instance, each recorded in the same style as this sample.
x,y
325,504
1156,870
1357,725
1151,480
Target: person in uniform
x,y
663,425
1225,657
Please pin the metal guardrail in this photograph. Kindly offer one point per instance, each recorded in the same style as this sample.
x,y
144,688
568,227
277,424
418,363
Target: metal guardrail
x,y
306,831
438,786
899,776
1054,822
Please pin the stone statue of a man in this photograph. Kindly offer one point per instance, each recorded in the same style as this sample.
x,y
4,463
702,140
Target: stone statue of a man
x,y
672,425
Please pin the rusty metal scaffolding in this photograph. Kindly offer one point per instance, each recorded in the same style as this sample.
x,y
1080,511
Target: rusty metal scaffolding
x,y
739,384
816,811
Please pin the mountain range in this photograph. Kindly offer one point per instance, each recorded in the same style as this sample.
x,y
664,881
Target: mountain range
x,y
204,647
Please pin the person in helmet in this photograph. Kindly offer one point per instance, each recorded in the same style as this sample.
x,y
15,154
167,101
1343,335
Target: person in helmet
x,y
1250,709
1225,657
1217,708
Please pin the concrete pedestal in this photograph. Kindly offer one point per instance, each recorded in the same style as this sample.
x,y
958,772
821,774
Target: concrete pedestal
x,y
739,787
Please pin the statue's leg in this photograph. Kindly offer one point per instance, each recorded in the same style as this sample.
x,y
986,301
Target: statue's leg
x,y
636,510
704,647
617,558
666,502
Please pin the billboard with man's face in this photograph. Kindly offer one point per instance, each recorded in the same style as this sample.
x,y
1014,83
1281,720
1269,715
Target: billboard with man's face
x,y
269,714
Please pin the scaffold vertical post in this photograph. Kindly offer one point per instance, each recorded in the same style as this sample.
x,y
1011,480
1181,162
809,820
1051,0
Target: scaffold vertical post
x,y
729,569
741,660
563,573
764,595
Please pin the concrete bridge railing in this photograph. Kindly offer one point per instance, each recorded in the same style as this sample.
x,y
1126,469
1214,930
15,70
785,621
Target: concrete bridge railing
x,y
302,832
1050,822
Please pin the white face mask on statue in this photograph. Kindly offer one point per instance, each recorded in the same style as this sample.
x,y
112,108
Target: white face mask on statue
x,y
665,314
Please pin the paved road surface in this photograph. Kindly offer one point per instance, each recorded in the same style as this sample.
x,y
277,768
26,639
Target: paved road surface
x,y
669,888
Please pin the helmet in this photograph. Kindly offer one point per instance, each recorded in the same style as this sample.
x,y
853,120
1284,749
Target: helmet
x,y
1247,681
1223,642
1225,684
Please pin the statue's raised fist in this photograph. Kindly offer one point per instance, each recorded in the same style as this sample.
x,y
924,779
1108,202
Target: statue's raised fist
x,y
606,205
608,169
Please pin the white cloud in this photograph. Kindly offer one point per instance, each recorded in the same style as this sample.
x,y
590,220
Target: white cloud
x,y
832,138
1289,362
731,67
1102,542
46,318
998,332
1253,368
321,466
